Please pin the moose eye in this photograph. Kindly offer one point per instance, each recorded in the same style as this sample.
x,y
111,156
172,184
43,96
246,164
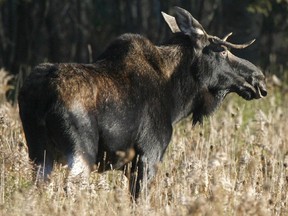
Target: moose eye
x,y
223,53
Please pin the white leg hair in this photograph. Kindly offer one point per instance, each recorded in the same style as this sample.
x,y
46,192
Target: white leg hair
x,y
79,172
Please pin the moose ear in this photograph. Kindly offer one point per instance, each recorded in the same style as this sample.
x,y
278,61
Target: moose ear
x,y
188,24
171,21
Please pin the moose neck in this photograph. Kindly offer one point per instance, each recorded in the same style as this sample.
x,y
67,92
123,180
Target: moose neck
x,y
190,94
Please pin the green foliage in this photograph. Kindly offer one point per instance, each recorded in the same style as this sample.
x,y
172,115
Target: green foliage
x,y
275,10
260,6
267,7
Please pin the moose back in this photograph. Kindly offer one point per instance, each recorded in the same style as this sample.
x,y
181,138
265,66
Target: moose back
x,y
121,108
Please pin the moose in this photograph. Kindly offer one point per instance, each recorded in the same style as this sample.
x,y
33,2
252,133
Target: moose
x,y
122,108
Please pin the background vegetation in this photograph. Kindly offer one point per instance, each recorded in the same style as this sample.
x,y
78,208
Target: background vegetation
x,y
34,31
235,164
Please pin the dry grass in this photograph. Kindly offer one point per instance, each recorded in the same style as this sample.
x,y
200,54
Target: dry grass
x,y
235,164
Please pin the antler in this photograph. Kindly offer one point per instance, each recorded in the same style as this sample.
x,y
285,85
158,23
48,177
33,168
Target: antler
x,y
226,36
223,41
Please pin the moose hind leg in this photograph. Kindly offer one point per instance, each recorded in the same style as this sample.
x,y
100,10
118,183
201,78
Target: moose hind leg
x,y
80,168
37,141
77,137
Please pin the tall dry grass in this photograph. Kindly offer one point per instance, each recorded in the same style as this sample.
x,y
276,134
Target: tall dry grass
x,y
235,164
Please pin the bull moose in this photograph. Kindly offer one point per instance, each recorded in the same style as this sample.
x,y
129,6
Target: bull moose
x,y
87,114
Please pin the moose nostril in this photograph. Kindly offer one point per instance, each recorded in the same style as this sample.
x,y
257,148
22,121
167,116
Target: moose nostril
x,y
264,92
262,89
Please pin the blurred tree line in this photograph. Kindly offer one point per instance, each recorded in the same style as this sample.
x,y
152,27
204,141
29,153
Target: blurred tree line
x,y
34,31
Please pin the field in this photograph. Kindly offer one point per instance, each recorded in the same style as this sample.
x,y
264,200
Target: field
x,y
236,163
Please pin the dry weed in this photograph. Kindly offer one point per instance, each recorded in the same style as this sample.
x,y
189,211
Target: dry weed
x,y
235,164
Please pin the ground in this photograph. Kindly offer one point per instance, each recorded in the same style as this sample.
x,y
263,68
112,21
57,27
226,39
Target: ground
x,y
236,163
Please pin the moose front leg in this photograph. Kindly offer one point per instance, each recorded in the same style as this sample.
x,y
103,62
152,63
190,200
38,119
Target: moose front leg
x,y
144,165
141,175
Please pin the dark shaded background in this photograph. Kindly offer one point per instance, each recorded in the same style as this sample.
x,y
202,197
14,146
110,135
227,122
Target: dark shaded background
x,y
34,31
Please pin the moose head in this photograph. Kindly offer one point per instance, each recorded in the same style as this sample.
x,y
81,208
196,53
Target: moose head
x,y
215,69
